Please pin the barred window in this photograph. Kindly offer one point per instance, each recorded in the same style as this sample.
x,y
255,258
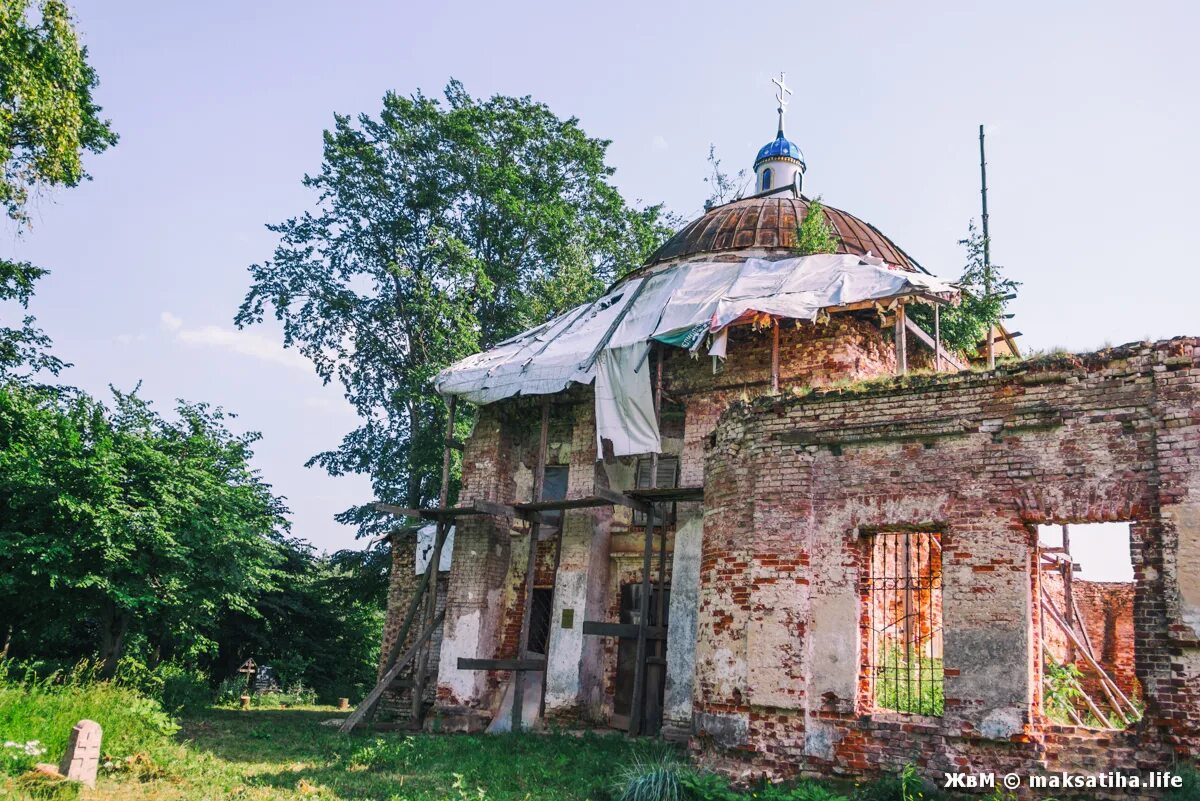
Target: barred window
x,y
904,648
539,620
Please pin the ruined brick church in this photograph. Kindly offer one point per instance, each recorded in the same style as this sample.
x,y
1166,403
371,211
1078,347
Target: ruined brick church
x,y
721,504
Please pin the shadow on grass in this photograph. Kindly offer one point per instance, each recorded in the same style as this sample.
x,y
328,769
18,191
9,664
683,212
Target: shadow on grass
x,y
290,749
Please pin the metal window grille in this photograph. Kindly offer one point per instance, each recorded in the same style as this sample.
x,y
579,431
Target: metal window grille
x,y
668,476
905,638
539,620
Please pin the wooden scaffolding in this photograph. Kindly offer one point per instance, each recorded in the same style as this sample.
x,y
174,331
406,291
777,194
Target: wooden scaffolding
x,y
426,612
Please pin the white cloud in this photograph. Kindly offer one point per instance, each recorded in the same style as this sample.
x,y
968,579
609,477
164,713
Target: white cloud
x,y
244,343
129,339
659,142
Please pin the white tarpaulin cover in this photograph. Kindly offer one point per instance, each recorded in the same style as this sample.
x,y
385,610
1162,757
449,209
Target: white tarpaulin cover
x,y
606,341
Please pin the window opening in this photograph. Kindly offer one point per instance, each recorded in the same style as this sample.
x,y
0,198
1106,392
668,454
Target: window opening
x,y
905,648
539,620
554,488
668,477
1088,643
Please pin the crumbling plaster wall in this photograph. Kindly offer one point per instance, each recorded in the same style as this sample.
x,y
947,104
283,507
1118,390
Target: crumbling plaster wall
x,y
795,486
486,595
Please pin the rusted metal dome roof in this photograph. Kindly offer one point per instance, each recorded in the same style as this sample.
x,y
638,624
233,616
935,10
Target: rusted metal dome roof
x,y
768,222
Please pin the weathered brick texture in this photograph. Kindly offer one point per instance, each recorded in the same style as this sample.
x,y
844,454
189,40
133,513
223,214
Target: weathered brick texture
x,y
794,486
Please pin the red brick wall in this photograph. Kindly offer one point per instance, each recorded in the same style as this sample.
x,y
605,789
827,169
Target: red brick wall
x,y
983,458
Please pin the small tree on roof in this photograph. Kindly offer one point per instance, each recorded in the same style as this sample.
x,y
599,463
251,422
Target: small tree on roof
x,y
815,234
986,293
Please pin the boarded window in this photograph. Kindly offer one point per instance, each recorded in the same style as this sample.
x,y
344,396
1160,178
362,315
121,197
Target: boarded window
x,y
668,476
554,488
904,594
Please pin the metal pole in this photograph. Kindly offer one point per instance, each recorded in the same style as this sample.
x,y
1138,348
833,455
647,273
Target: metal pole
x,y
775,358
987,250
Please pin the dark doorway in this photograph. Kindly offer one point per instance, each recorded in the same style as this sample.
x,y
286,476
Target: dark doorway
x,y
656,668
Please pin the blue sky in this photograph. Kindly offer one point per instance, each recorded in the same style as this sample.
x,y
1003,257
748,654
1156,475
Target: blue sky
x,y
1091,110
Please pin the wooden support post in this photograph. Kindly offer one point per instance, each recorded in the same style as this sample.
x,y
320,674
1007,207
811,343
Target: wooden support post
x,y
444,494
368,703
1088,657
660,647
639,669
901,341
991,347
421,665
539,475
1087,643
775,358
937,338
1068,590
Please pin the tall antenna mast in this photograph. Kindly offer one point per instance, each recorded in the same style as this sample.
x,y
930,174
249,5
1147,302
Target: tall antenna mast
x,y
987,248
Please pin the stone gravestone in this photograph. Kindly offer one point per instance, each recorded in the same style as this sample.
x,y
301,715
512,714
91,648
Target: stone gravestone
x,y
82,759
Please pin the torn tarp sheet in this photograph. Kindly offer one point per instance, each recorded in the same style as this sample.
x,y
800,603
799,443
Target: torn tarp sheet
x,y
678,306
625,401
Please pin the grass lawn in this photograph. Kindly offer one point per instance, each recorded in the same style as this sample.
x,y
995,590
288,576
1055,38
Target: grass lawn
x,y
288,754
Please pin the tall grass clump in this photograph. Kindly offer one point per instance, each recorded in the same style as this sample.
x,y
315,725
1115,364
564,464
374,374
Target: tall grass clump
x,y
44,709
657,776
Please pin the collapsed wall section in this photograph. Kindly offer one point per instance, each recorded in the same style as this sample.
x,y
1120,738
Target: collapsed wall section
x,y
796,489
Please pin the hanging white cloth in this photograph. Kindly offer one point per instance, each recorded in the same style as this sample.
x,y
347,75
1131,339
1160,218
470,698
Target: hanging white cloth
x,y
625,401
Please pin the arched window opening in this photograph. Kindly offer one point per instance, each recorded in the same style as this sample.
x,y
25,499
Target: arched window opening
x,y
766,182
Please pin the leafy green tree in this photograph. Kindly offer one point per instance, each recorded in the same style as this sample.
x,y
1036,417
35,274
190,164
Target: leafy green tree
x,y
814,234
321,624
24,350
136,524
986,293
440,228
48,119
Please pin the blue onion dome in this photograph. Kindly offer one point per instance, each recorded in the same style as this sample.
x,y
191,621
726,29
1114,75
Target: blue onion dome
x,y
780,148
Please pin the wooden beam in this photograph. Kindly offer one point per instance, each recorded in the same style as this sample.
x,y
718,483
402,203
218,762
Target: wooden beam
x,y
933,343
624,630
667,494
901,337
524,509
516,665
398,511
621,499
937,339
368,703
639,666
1088,657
